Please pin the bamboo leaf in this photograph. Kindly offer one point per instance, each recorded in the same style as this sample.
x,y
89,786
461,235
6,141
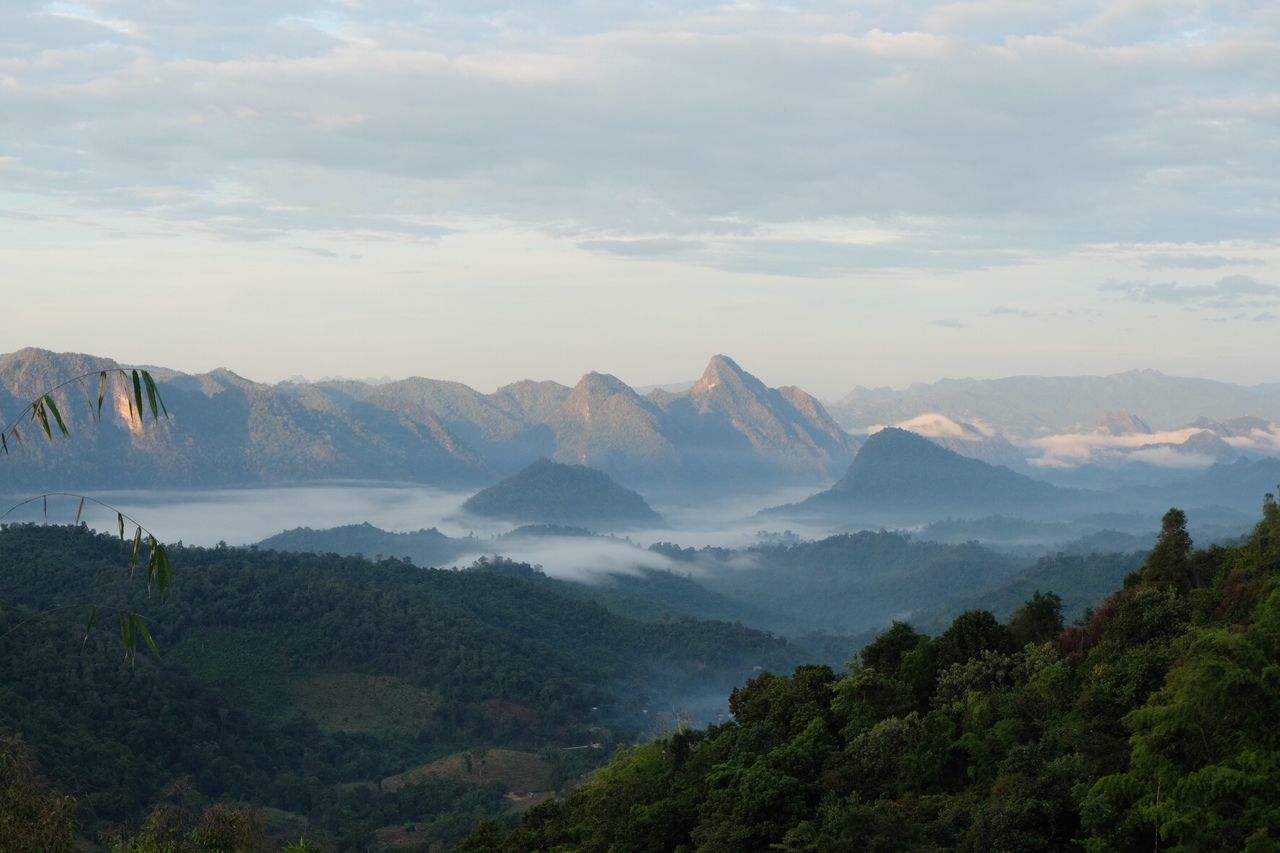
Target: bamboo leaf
x,y
164,569
17,434
79,511
57,416
4,443
140,626
137,393
88,625
153,396
127,636
120,518
39,415
125,377
102,390
45,500
137,546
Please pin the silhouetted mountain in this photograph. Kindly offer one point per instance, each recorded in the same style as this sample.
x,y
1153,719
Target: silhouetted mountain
x,y
898,474
549,492
967,440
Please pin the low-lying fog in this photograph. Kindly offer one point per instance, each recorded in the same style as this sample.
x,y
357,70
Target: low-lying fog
x,y
246,516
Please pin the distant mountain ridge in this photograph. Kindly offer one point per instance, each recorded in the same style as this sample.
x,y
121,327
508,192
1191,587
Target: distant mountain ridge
x,y
1023,407
726,431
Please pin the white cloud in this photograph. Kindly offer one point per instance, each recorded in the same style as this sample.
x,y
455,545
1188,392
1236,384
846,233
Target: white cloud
x,y
926,125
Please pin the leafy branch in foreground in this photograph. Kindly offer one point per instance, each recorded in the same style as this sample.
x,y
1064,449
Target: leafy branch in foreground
x,y
139,388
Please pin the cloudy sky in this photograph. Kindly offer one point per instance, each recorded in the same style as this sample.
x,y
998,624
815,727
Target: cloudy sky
x,y
834,193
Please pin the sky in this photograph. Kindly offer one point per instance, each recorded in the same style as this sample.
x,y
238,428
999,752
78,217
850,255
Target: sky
x,y
833,193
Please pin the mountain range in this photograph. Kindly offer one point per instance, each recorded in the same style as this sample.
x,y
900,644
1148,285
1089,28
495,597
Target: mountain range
x,y
1025,407
727,430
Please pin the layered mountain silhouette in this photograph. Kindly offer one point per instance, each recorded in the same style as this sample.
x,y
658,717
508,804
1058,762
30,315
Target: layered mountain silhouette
x,y
1024,407
967,440
899,473
549,492
727,431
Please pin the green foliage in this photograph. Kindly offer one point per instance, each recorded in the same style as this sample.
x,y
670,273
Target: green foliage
x,y
252,638
1150,725
1169,563
33,816
1037,621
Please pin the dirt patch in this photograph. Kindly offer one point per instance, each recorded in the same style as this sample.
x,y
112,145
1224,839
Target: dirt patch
x,y
519,772
523,802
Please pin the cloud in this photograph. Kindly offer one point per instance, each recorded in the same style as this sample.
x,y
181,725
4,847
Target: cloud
x,y
1012,311
1230,292
1164,260
935,425
998,125
1159,448
950,324
583,559
643,248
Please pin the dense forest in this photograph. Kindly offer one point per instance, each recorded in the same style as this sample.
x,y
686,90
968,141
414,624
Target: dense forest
x,y
303,682
847,584
1148,724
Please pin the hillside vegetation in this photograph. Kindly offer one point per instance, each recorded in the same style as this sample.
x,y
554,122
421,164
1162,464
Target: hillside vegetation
x,y
298,681
1147,725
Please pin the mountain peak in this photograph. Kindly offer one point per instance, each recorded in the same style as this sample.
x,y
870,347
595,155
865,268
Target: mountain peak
x,y
898,472
724,371
603,385
547,492
1122,422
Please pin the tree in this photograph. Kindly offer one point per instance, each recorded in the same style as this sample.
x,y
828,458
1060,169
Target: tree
x,y
885,653
32,815
972,633
1169,563
1037,621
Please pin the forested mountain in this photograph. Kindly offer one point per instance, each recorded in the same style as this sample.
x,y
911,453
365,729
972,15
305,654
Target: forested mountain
x,y
547,492
426,548
841,585
299,681
1147,725
849,583
728,430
